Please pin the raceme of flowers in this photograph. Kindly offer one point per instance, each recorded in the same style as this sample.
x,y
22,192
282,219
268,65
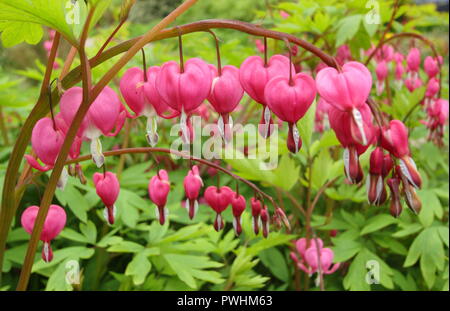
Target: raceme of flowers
x,y
178,90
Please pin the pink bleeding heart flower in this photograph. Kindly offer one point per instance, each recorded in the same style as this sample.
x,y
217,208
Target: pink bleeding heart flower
x,y
395,206
438,115
289,100
399,71
302,245
76,145
394,139
158,190
345,90
432,89
184,89
107,187
254,75
238,206
386,52
192,185
226,93
410,194
315,257
349,135
398,57
104,114
260,45
431,66
265,217
218,199
413,83
139,91
284,14
413,60
46,140
380,166
321,115
256,214
382,72
53,225
343,54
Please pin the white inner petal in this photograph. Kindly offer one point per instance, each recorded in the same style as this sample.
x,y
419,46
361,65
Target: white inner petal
x,y
359,122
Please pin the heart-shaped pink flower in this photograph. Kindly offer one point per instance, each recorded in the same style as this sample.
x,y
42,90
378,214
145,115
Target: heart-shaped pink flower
x,y
345,90
107,187
53,225
158,189
46,142
184,91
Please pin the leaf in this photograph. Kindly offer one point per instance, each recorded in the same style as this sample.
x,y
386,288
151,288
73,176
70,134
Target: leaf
x,y
365,269
345,249
75,200
73,235
37,12
347,28
138,268
274,239
70,253
190,267
306,125
90,231
125,247
431,207
428,247
274,260
14,33
286,174
378,222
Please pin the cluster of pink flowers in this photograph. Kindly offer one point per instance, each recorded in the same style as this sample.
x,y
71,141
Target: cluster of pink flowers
x,y
312,257
218,198
178,90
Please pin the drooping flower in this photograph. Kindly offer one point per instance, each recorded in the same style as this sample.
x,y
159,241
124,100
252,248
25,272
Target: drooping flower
x,y
290,99
314,257
256,214
437,118
46,140
349,135
380,166
218,199
192,185
345,90
105,116
431,91
343,54
107,187
395,207
264,215
382,73
238,205
158,190
413,83
254,76
413,61
184,88
395,140
321,115
139,91
53,225
431,66
226,93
